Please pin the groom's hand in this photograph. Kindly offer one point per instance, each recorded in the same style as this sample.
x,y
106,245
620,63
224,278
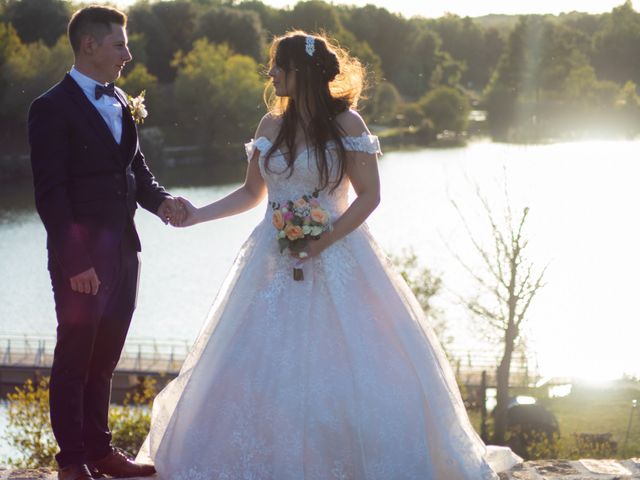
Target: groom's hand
x,y
171,210
86,282
190,211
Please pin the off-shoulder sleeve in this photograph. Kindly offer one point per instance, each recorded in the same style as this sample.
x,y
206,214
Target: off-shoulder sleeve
x,y
261,143
364,143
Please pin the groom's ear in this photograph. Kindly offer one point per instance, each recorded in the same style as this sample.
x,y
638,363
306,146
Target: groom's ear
x,y
87,44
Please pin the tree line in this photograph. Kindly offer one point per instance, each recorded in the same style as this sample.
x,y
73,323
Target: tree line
x,y
202,64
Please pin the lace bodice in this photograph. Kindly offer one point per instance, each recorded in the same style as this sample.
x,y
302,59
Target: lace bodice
x,y
337,377
306,178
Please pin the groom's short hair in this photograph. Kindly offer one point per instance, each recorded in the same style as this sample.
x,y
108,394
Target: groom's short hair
x,y
95,21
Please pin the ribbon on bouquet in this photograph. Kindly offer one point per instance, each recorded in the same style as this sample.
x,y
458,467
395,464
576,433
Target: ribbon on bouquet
x,y
298,274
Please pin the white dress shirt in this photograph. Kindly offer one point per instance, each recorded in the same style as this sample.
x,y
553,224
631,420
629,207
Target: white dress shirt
x,y
108,106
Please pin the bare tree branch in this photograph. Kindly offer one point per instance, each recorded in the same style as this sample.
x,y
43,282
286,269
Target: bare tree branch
x,y
513,292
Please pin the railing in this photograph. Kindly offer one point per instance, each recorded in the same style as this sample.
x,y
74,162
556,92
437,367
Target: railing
x,y
139,355
146,355
468,366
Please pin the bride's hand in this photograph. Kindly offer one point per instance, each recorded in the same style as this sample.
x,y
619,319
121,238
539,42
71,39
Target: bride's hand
x,y
313,248
191,216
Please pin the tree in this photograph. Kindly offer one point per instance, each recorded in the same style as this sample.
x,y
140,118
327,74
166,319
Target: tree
x,y
221,92
383,107
508,285
165,27
419,63
425,285
386,33
139,79
628,107
447,108
271,19
30,71
467,42
240,29
313,16
618,41
10,46
528,86
35,20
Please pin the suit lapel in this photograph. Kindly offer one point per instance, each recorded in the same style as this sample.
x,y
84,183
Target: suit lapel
x,y
129,129
93,117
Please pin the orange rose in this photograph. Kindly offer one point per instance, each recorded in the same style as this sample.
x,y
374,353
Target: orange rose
x,y
318,215
300,203
277,219
293,232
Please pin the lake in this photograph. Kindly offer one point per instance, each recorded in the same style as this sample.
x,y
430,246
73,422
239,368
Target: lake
x,y
584,205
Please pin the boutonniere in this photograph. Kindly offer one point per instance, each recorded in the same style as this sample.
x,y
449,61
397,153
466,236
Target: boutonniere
x,y
137,107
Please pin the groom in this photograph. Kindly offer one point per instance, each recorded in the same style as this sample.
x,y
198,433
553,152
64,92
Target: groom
x,y
89,175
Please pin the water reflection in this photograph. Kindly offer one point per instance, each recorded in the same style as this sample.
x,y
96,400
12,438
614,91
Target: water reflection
x,y
583,199
16,199
16,196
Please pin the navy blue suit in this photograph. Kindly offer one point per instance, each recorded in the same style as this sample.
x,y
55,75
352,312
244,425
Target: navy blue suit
x,y
87,188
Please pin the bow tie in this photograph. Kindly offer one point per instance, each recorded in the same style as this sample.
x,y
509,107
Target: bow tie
x,y
108,90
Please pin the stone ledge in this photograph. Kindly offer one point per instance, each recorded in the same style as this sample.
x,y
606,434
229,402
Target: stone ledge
x,y
586,469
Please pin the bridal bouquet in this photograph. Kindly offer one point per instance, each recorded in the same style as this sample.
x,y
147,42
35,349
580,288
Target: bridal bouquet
x,y
297,221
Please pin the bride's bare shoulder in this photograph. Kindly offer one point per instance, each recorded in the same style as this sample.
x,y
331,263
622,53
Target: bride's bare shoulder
x,y
268,126
351,123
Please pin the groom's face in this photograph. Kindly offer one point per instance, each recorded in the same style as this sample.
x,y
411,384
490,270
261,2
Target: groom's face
x,y
111,54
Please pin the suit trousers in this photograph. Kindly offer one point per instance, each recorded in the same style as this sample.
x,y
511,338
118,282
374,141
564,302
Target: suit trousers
x,y
91,332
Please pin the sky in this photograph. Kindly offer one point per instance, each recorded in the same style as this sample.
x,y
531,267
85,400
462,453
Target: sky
x,y
472,8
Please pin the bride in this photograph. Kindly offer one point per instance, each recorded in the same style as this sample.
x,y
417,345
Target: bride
x,y
337,376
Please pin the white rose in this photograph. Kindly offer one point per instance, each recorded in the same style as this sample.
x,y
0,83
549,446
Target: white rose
x,y
315,231
306,229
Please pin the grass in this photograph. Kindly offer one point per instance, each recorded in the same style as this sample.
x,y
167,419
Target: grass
x,y
592,410
598,410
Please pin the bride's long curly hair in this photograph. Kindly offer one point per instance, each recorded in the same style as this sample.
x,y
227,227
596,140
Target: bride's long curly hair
x,y
327,82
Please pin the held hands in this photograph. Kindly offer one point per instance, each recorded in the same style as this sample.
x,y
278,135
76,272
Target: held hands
x,y
171,210
191,214
179,212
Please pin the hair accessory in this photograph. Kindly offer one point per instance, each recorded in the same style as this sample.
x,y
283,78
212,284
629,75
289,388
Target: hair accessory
x,y
310,45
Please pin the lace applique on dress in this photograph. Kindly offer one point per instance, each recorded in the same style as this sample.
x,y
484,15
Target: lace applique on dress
x,y
337,377
261,143
364,143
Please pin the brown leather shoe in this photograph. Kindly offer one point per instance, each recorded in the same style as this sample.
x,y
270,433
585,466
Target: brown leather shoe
x,y
74,472
117,464
94,472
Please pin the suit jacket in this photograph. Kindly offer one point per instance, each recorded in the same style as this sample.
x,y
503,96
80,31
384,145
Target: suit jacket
x,y
87,186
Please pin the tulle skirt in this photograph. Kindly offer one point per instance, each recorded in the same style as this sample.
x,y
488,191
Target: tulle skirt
x,y
338,376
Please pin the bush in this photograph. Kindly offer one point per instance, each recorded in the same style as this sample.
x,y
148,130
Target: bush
x,y
29,428
130,422
447,107
425,285
594,445
532,444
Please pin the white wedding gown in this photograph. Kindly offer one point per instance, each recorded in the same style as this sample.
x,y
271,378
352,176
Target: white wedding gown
x,y
338,376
